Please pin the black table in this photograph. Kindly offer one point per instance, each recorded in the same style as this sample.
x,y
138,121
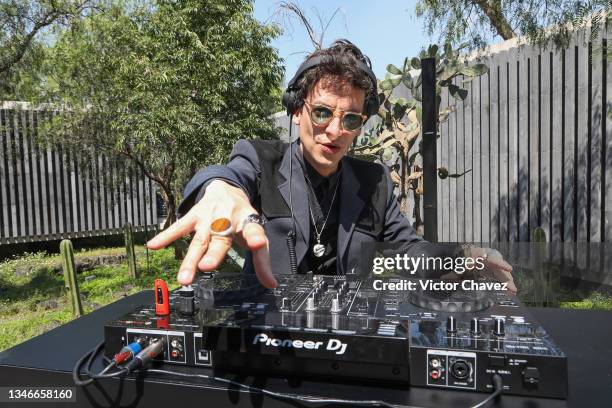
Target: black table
x,y
47,360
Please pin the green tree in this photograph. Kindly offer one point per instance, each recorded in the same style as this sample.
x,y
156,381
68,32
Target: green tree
x,y
170,86
22,24
477,22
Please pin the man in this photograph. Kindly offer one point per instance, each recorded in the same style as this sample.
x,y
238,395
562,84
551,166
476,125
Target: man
x,y
319,204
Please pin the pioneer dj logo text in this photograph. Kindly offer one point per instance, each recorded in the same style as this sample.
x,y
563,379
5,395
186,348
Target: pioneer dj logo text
x,y
334,345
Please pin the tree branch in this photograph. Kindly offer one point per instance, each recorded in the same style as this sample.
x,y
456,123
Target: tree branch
x,y
496,17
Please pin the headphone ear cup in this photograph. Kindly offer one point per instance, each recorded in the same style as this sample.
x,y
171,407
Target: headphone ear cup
x,y
289,101
373,105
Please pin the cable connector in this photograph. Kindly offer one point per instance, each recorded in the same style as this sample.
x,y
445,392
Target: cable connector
x,y
146,355
127,352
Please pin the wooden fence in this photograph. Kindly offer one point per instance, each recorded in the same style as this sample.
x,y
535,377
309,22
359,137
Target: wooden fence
x,y
536,134
46,195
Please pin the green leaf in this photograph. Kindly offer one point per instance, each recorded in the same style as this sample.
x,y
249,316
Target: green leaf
x,y
474,70
387,155
457,92
393,69
408,81
415,63
386,85
419,113
448,50
395,80
432,50
449,72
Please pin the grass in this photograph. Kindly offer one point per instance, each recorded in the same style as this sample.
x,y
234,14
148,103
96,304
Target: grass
x,y
596,300
36,302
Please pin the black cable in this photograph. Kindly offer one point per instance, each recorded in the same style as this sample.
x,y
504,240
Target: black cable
x,y
293,397
498,385
90,355
291,234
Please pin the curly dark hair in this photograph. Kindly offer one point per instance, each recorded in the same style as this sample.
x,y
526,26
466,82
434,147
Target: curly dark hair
x,y
339,71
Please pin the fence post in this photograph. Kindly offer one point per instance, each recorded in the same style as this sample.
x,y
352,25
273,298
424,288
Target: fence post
x,y
430,140
129,250
70,277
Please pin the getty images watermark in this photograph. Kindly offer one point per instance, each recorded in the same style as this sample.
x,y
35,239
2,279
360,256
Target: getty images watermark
x,y
447,269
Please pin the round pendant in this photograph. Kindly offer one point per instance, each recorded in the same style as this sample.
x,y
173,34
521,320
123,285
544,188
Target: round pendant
x,y
318,250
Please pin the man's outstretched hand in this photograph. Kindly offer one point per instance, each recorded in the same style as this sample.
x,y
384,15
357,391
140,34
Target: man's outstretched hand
x,y
207,251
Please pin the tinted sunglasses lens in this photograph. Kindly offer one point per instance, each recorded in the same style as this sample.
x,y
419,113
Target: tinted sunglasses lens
x,y
352,121
321,115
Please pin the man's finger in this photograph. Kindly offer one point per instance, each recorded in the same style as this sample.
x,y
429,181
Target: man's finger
x,y
179,229
216,252
263,267
499,264
254,236
197,248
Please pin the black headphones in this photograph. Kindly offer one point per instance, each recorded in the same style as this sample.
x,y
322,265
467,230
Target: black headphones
x,y
290,97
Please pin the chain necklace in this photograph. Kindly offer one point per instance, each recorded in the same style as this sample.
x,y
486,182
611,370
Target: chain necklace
x,y
319,249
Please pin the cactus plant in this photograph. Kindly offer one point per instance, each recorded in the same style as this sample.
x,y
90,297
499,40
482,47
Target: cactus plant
x,y
393,138
129,249
70,277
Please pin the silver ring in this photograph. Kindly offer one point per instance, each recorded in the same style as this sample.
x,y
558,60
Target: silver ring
x,y
221,227
252,218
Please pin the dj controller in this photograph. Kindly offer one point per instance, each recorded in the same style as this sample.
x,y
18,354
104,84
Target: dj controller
x,y
345,328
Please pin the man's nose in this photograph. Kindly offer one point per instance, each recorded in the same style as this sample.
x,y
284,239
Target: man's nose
x,y
334,129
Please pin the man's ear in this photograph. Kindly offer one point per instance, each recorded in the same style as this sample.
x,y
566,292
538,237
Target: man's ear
x,y
297,115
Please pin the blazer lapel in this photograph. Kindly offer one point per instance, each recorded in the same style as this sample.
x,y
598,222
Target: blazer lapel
x,y
350,208
299,199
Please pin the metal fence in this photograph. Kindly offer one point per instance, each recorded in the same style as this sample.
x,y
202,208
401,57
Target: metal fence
x,y
45,194
535,133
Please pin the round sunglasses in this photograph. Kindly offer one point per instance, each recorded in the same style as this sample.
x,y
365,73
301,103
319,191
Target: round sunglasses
x,y
322,116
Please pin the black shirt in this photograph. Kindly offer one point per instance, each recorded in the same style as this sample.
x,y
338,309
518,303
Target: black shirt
x,y
323,193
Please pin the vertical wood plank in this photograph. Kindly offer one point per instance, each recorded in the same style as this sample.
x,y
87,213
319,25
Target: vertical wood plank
x,y
38,203
494,158
608,136
582,134
5,216
461,165
569,145
468,164
477,161
100,195
72,191
544,124
596,114
534,146
556,147
513,142
504,149
52,184
485,137
523,146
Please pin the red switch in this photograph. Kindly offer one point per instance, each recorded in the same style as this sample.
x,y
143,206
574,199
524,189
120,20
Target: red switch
x,y
162,306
